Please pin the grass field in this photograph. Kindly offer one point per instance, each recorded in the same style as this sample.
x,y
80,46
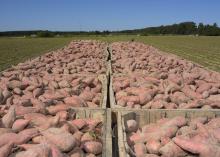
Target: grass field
x,y
202,50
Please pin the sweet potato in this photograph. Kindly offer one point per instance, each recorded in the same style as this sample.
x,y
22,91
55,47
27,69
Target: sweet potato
x,y
42,150
93,147
5,138
91,104
36,118
26,146
16,84
171,150
20,138
204,87
134,99
75,101
5,130
151,155
79,123
88,80
63,140
193,123
63,115
158,104
55,152
164,140
57,108
77,135
19,125
196,147
9,118
153,146
17,91
176,121
145,97
191,104
76,152
175,78
38,139
87,137
139,149
185,130
214,123
6,94
120,94
179,97
131,126
214,98
64,84
37,92
190,93
87,95
97,89
26,135
20,110
6,149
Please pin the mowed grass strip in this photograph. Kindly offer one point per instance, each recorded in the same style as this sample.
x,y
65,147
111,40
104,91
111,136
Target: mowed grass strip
x,y
202,50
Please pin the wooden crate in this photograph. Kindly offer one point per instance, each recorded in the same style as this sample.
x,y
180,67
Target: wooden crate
x,y
144,117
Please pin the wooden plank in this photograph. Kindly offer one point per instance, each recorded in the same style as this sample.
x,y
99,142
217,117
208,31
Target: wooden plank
x,y
108,149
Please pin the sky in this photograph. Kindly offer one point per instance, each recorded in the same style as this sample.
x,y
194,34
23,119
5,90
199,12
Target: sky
x,y
88,15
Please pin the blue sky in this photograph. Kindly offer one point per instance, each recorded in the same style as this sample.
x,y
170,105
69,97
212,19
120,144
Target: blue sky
x,y
67,15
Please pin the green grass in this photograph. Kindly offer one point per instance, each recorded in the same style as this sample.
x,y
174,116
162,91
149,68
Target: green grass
x,y
15,50
201,50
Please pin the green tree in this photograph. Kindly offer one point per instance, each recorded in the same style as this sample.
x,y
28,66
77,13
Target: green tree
x,y
44,34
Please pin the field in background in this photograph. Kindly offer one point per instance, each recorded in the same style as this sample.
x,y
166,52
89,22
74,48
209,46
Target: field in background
x,y
15,50
202,50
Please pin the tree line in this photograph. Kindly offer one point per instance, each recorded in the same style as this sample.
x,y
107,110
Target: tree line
x,y
184,28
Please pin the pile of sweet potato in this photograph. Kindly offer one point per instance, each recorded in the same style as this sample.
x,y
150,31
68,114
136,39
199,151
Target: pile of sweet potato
x,y
82,57
159,81
130,57
36,100
50,92
166,91
134,57
60,134
174,137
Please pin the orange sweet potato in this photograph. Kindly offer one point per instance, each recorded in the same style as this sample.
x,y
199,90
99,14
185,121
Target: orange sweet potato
x,y
93,147
172,150
6,149
62,139
57,108
87,95
153,146
140,149
79,123
19,125
75,101
131,126
9,118
87,137
37,150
